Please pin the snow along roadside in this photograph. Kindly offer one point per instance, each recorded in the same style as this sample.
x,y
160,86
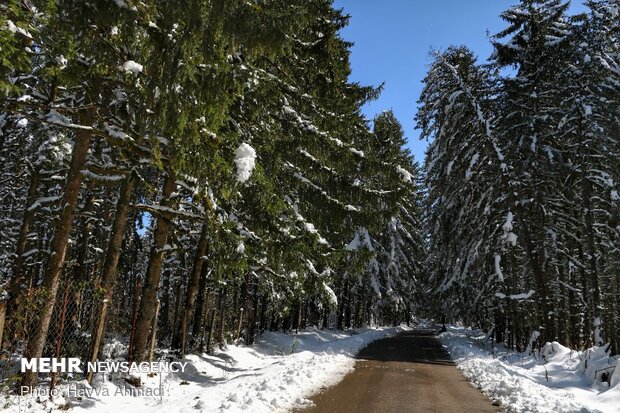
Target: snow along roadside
x,y
548,382
279,373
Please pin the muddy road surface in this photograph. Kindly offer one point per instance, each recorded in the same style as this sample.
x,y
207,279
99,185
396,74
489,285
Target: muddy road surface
x,y
409,372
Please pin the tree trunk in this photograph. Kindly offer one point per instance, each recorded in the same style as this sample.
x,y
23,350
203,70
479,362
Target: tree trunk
x,y
591,246
200,312
2,318
347,308
211,331
166,300
222,311
59,243
251,322
16,284
177,306
192,289
239,325
537,264
342,302
79,271
148,304
110,264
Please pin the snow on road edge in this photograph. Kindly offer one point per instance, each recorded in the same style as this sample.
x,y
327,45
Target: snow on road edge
x,y
526,384
279,373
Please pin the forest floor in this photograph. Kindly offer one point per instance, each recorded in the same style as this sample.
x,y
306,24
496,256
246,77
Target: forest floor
x,y
410,372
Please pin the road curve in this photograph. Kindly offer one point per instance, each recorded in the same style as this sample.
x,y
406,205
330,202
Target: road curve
x,y
409,372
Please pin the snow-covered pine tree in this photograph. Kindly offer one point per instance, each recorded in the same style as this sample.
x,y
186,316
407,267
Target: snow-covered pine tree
x,y
465,181
535,40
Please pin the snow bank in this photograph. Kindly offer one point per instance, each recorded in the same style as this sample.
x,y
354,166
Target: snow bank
x,y
552,380
278,374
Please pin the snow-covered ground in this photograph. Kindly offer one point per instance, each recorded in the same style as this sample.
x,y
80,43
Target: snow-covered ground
x,y
279,373
552,380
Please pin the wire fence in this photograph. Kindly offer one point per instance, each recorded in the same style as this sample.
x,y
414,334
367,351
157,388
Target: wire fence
x,y
76,316
73,319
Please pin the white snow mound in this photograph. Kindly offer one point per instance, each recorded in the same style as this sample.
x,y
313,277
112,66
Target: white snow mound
x,y
245,160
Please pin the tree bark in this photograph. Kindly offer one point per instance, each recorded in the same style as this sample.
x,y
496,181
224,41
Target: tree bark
x,y
110,265
537,264
211,331
79,271
60,241
200,312
591,246
148,304
252,302
19,277
2,318
192,289
222,311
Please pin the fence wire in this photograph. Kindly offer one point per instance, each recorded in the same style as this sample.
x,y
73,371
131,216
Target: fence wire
x,y
73,319
77,311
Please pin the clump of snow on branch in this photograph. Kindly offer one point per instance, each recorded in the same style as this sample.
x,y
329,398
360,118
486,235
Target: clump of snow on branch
x,y
406,175
331,295
132,67
16,29
245,160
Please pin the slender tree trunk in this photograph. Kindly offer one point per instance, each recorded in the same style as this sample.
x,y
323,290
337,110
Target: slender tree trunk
x,y
113,253
2,318
166,300
239,325
251,322
16,285
192,289
79,270
263,314
211,331
177,306
60,241
222,311
347,308
573,311
563,312
586,324
153,334
342,302
148,304
200,312
591,246
537,264
616,333
110,264
134,317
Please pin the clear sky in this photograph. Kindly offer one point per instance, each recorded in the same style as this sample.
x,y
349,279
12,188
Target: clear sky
x,y
393,39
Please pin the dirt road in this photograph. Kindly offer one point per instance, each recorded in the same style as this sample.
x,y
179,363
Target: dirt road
x,y
407,373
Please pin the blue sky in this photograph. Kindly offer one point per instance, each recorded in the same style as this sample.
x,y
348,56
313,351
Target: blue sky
x,y
393,39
